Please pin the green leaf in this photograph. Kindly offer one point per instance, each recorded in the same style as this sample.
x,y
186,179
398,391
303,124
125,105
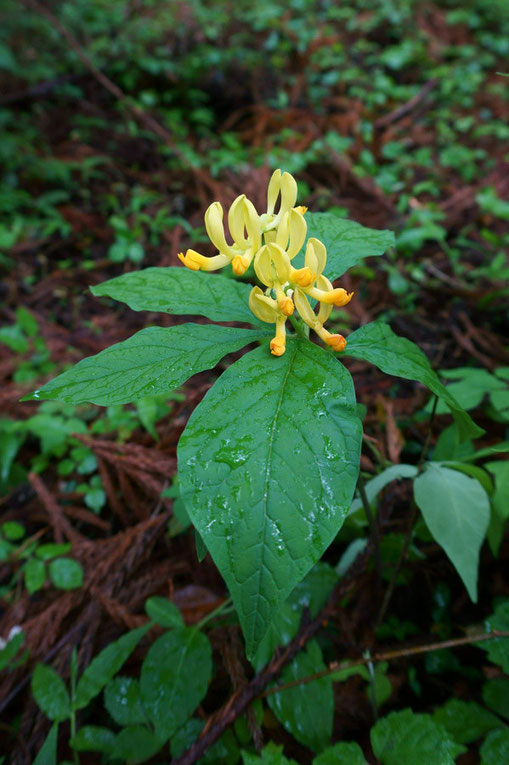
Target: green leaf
x,y
10,443
306,711
135,744
456,510
50,693
51,550
162,611
404,737
66,573
495,749
13,531
181,291
9,651
500,498
498,648
377,343
47,754
465,721
268,464
123,702
35,575
93,738
344,753
495,694
270,755
175,677
105,666
153,361
347,242
383,479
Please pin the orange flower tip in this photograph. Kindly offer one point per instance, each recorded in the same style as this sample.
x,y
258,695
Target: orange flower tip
x,y
336,342
304,277
239,265
302,209
343,297
286,305
188,261
277,346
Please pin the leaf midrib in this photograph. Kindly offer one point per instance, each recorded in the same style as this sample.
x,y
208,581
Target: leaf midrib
x,y
266,487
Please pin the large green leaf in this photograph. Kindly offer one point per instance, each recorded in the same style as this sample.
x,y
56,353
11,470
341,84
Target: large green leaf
x,y
403,737
456,510
267,466
47,754
181,291
377,343
174,678
151,362
306,711
347,242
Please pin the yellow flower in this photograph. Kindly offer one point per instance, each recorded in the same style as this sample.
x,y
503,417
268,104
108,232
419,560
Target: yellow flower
x,y
245,230
268,310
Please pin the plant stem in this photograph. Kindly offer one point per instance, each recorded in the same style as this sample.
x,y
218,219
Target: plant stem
x,y
411,524
301,329
373,527
219,610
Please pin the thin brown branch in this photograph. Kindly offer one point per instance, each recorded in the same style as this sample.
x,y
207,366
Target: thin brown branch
x,y
240,701
388,656
405,109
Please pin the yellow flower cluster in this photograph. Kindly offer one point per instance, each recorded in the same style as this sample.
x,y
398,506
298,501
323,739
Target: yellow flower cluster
x,y
270,241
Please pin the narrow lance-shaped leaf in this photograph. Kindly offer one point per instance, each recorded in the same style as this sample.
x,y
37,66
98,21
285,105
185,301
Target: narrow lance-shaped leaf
x,y
347,242
267,466
456,510
180,291
377,343
151,362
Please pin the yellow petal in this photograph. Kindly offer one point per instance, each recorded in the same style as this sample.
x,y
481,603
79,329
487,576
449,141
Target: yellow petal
x,y
286,305
306,312
215,228
278,343
316,255
264,308
336,342
263,266
236,221
281,262
298,230
253,225
301,209
196,262
288,192
278,346
240,264
337,297
273,190
304,277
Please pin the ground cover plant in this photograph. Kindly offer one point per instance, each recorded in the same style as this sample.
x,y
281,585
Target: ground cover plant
x,y
365,620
